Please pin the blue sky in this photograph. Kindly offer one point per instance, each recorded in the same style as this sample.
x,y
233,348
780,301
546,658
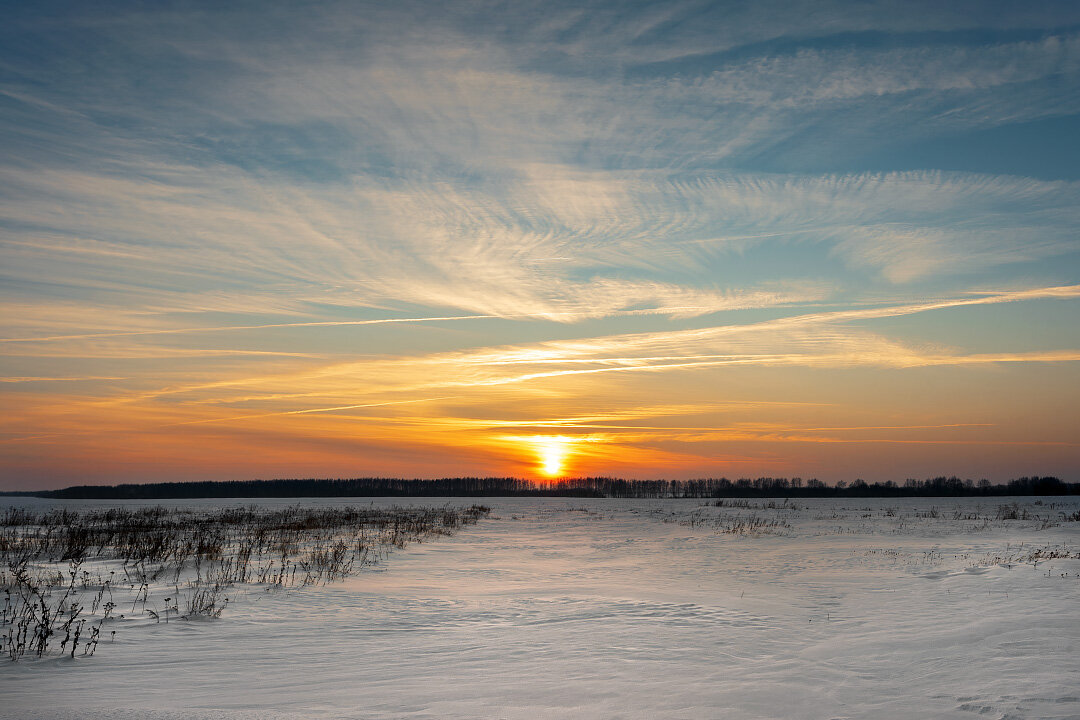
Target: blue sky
x,y
225,229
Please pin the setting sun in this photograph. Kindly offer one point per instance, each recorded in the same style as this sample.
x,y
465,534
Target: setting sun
x,y
552,452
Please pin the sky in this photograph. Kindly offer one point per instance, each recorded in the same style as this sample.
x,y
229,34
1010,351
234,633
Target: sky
x,y
541,239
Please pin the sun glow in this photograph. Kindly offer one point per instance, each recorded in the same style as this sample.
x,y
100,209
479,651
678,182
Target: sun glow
x,y
552,452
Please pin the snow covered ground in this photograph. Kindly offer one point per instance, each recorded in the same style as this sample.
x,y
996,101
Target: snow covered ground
x,y
557,608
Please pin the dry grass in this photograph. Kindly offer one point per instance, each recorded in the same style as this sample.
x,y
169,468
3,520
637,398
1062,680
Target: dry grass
x,y
63,572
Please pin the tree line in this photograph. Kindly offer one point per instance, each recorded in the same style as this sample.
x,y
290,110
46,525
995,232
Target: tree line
x,y
593,487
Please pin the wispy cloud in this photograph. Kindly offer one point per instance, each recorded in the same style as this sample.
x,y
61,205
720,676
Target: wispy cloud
x,y
832,339
234,328
34,379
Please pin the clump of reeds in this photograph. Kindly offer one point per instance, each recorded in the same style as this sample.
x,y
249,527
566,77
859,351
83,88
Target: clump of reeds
x,y
734,503
751,524
1024,554
188,558
1011,512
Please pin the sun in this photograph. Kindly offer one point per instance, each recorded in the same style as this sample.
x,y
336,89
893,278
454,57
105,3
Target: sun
x,y
552,452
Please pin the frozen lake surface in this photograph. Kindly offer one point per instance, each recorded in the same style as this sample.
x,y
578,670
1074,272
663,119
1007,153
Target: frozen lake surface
x,y
559,608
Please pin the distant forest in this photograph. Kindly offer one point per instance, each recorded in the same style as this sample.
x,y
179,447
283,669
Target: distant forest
x,y
598,487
